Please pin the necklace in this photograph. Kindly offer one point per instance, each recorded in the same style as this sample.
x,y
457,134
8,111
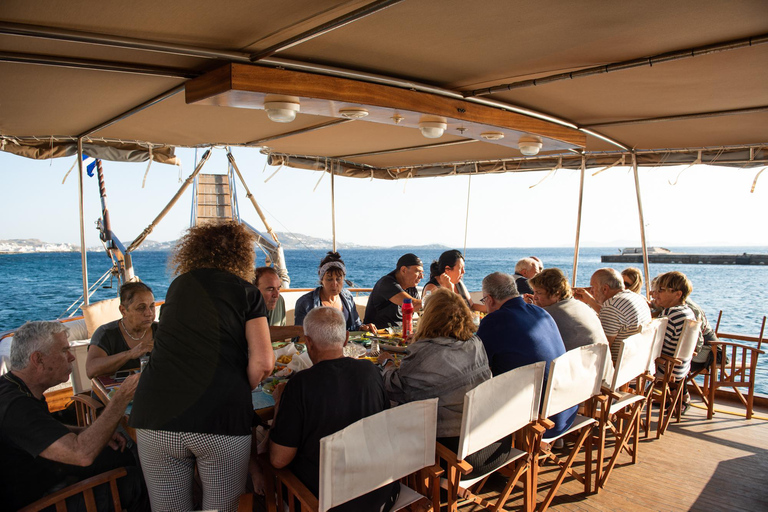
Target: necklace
x,y
129,334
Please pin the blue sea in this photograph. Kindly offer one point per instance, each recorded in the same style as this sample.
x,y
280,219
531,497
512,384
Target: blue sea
x,y
42,286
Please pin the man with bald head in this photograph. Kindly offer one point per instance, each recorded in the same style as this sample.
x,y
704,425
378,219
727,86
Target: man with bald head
x,y
319,401
622,312
525,269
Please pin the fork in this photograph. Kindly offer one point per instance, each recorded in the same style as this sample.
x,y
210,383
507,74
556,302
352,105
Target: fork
x,y
374,351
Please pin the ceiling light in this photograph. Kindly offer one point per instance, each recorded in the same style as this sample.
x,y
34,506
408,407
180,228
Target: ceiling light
x,y
529,146
281,109
432,127
492,135
353,112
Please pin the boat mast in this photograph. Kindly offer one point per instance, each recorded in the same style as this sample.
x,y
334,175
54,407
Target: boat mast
x,y
83,257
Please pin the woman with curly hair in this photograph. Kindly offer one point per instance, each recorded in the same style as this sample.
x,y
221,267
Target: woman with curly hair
x,y
445,361
212,347
331,293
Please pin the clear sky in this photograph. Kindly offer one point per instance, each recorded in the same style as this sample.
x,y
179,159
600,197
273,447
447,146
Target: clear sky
x,y
707,205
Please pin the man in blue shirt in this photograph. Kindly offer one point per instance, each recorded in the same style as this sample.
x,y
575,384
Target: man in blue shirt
x,y
516,334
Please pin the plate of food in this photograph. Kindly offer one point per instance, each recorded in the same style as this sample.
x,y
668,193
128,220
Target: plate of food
x,y
270,386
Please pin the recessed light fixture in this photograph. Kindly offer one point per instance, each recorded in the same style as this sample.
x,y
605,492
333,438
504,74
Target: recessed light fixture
x,y
432,127
492,135
529,146
353,112
281,109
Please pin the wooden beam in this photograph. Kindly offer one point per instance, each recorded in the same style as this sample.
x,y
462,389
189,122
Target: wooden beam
x,y
245,86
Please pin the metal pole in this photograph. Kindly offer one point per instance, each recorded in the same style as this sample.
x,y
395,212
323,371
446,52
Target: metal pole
x,y
642,225
248,194
578,220
466,220
83,255
333,209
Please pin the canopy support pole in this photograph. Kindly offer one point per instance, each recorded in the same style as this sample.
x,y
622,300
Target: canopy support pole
x,y
642,226
333,208
578,220
248,194
144,234
466,220
83,256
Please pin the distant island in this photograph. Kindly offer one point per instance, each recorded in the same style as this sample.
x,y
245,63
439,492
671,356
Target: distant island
x,y
290,241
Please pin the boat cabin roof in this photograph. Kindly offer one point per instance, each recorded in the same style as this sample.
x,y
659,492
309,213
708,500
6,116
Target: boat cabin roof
x,y
675,82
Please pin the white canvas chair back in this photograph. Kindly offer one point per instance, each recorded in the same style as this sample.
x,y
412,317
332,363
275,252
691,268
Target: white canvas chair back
x,y
633,357
573,378
660,326
688,339
499,407
376,451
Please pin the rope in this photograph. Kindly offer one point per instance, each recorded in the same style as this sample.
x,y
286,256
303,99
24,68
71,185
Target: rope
x,y
466,219
754,183
70,170
144,181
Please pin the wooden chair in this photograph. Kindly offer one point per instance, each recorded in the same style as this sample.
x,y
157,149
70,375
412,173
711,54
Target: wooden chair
x,y
574,378
671,387
658,344
736,368
502,406
87,409
621,412
368,454
58,499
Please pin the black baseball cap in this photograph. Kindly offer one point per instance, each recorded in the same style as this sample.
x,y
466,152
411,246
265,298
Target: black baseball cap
x,y
406,260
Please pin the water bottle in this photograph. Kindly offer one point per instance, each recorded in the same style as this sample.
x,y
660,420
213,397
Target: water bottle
x,y
407,318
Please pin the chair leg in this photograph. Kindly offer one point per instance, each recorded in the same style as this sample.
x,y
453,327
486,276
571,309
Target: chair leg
x,y
565,470
622,438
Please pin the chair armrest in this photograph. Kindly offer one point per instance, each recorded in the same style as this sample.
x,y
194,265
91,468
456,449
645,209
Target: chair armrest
x,y
290,481
545,423
245,503
77,488
608,393
451,458
88,400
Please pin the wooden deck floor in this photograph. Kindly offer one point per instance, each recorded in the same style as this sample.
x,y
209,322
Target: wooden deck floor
x,y
699,464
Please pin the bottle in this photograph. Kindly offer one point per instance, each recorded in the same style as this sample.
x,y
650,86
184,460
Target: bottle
x,y
407,318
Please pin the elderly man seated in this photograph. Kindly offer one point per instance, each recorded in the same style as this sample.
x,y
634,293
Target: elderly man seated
x,y
268,282
331,395
525,269
578,324
622,313
386,299
40,454
516,334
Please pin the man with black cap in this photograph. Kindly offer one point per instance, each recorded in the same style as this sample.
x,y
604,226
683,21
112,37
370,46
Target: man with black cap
x,y
386,299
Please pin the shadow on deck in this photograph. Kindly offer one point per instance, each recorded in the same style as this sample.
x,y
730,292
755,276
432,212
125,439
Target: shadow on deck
x,y
699,464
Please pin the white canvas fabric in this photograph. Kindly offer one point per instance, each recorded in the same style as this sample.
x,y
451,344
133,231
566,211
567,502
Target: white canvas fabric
x,y
375,451
660,324
500,406
634,353
688,339
573,378
99,313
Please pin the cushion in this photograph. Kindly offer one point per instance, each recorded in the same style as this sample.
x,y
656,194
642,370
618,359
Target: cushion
x,y
100,313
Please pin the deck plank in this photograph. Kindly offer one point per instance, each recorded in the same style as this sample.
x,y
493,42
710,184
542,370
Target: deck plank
x,y
698,465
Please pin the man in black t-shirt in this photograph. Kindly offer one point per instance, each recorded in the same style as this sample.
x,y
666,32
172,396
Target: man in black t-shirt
x,y
319,401
386,299
40,454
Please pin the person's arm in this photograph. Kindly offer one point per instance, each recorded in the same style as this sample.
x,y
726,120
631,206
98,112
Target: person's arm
x,y
282,332
81,449
584,296
261,358
400,297
99,363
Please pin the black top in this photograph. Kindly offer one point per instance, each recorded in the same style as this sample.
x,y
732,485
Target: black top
x,y
320,401
26,429
380,310
522,284
461,289
109,339
196,379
